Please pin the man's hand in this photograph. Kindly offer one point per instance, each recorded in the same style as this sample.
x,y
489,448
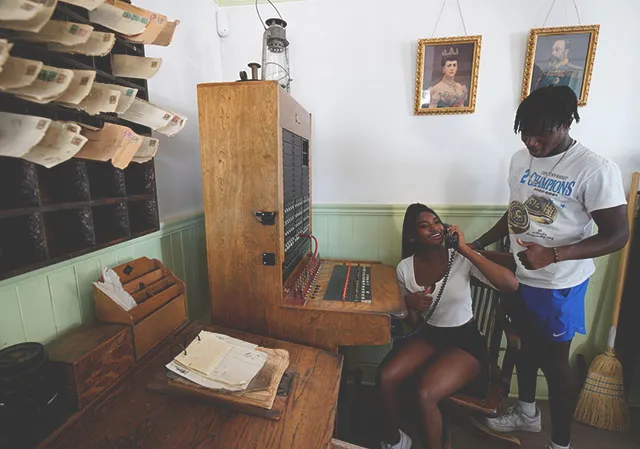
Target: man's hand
x,y
535,256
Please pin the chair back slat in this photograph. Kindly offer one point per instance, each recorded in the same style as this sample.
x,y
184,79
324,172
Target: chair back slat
x,y
485,307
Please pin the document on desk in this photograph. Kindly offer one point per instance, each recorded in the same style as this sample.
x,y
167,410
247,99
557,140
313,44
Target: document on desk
x,y
239,366
219,362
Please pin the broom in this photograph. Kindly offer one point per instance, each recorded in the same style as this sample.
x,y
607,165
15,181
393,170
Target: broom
x,y
602,401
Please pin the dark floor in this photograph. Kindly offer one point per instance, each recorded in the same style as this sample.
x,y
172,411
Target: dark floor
x,y
357,424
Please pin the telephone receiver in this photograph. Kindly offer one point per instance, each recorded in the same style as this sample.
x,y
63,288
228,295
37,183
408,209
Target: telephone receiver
x,y
450,241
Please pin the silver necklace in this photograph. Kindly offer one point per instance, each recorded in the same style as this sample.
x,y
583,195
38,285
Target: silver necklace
x,y
559,160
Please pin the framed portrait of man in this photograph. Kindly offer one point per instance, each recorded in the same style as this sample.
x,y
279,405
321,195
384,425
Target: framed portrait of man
x,y
447,75
561,57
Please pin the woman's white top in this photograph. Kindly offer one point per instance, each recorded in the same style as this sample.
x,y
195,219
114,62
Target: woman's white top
x,y
455,307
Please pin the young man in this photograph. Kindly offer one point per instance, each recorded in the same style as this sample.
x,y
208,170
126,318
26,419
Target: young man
x,y
558,189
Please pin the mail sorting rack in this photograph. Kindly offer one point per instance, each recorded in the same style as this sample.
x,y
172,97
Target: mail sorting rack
x,y
79,206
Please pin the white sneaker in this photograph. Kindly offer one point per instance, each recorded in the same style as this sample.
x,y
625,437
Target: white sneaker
x,y
404,443
514,418
550,446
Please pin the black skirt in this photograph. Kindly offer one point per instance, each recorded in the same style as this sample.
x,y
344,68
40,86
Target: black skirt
x,y
466,337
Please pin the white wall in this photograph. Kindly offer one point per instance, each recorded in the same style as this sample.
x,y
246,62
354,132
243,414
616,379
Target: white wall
x,y
193,57
353,64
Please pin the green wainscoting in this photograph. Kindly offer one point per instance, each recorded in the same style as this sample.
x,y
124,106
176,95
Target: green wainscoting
x,y
41,305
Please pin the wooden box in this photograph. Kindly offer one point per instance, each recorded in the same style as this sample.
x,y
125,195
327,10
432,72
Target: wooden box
x,y
161,303
92,358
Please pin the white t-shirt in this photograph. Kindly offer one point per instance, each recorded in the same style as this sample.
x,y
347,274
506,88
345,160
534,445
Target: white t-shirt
x,y
455,307
551,202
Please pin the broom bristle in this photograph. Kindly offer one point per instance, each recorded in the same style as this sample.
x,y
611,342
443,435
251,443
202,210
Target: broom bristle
x,y
602,403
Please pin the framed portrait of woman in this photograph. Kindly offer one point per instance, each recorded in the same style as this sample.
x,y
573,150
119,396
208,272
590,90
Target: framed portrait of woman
x,y
447,75
561,57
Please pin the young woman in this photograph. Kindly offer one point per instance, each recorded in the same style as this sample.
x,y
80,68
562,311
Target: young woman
x,y
448,352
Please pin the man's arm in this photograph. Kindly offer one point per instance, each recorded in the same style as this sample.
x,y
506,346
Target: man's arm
x,y
499,230
613,233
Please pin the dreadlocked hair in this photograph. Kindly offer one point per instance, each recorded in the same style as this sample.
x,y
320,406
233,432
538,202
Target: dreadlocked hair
x,y
409,227
547,109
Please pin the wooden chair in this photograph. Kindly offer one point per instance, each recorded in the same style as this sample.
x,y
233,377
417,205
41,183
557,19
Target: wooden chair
x,y
491,315
493,322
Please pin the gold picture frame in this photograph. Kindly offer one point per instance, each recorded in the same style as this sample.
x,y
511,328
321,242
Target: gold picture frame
x,y
561,56
442,85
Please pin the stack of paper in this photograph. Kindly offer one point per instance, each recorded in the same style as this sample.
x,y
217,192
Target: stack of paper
x,y
219,362
112,287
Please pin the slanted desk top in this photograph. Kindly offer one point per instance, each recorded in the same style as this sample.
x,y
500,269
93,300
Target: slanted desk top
x,y
132,417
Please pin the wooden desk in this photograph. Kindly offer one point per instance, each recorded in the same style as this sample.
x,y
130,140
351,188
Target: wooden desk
x,y
330,324
132,417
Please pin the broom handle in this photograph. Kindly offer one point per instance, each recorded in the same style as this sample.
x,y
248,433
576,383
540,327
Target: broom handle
x,y
624,259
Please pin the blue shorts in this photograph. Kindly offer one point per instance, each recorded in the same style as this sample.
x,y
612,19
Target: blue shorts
x,y
555,314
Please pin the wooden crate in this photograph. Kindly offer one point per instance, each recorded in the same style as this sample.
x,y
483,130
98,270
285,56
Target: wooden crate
x,y
92,358
161,300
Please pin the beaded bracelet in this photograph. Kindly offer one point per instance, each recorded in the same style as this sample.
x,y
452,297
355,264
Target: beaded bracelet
x,y
556,259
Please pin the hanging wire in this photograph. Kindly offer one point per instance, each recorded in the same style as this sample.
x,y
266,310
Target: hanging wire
x,y
464,27
444,2
548,12
260,17
575,5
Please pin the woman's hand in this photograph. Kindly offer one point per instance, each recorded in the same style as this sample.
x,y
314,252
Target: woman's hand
x,y
455,230
420,301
